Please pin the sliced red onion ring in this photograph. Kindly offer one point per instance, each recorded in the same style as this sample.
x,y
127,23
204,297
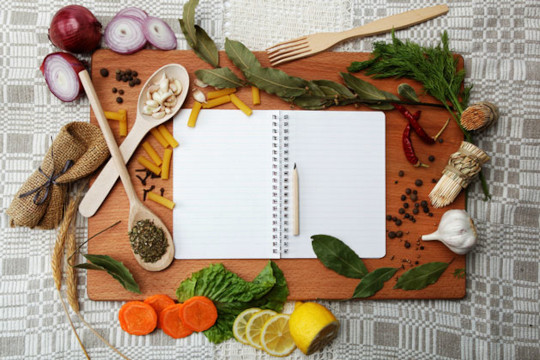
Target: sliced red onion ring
x,y
159,34
61,71
133,12
124,35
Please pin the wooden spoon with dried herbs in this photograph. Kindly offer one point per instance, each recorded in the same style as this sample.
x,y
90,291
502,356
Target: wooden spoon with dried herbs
x,y
151,242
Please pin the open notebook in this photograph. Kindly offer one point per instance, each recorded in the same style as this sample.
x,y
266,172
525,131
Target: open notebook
x,y
232,174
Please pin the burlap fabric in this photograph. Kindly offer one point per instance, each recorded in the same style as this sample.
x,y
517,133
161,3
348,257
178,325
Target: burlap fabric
x,y
40,201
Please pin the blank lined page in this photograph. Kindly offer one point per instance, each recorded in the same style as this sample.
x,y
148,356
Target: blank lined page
x,y
223,185
340,157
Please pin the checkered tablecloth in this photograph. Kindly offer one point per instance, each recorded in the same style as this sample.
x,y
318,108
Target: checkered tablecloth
x,y
499,317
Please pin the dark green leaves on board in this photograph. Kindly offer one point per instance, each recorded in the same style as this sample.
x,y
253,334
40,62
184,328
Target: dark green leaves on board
x,y
114,268
220,78
241,56
205,48
459,273
188,22
369,92
407,92
373,282
421,276
337,256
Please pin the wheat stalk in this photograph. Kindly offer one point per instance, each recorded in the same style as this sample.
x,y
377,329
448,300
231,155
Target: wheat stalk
x,y
71,275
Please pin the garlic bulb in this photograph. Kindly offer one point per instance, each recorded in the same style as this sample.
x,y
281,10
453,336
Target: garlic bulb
x,y
456,231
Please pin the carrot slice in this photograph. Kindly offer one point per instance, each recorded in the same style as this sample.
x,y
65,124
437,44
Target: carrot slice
x,y
172,325
159,302
199,313
137,318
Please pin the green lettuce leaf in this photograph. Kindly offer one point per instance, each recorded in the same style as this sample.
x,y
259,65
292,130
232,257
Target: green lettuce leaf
x,y
232,294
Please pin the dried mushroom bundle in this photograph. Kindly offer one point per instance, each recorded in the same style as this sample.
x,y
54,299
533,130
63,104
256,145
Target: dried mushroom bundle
x,y
479,116
461,169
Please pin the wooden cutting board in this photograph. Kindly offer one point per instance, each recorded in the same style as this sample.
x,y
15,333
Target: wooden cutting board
x,y
307,278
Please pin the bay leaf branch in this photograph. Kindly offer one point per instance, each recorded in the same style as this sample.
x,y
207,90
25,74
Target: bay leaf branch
x,y
220,78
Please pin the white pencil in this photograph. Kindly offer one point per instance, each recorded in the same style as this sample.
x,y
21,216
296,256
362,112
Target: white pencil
x,y
295,204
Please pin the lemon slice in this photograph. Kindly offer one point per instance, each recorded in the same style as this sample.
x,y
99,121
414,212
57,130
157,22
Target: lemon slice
x,y
312,326
239,326
276,339
254,327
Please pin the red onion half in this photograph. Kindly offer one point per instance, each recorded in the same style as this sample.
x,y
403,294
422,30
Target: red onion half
x,y
159,34
124,35
61,71
133,12
74,28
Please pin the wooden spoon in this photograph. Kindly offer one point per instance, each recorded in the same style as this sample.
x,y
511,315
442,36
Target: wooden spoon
x,y
143,123
137,211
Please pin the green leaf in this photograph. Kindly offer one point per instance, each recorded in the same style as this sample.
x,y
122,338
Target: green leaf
x,y
459,273
407,92
220,78
373,282
337,256
275,81
114,268
240,55
310,102
367,91
204,48
357,66
333,88
421,276
188,19
232,295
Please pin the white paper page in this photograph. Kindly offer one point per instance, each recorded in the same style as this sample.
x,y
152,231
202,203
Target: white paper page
x,y
340,157
223,185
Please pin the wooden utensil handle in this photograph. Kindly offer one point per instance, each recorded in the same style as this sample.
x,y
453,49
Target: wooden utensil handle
x,y
108,135
399,21
106,179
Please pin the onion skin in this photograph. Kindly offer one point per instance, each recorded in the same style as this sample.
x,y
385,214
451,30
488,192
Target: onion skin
x,y
75,29
75,65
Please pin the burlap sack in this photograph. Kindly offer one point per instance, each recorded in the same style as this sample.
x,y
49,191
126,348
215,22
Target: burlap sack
x,y
78,150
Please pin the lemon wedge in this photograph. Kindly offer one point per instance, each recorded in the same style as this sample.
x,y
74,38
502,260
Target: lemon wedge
x,y
239,325
312,326
276,339
254,327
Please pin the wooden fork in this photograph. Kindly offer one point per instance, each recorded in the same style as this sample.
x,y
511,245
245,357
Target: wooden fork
x,y
315,43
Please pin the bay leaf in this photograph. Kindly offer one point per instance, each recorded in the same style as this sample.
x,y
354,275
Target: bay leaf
x,y
332,88
114,268
205,48
337,256
275,81
421,276
384,106
240,55
310,102
314,89
220,78
188,18
373,282
407,92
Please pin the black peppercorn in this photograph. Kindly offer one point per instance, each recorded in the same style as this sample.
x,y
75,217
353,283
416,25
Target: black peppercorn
x,y
401,173
426,210
398,222
415,211
119,100
134,73
423,203
430,214
121,92
408,191
125,78
414,197
415,192
401,211
434,180
394,218
416,262
441,141
391,234
421,248
403,198
137,81
418,182
118,77
406,205
114,90
389,217
407,215
104,72
131,83
399,234
407,244
431,158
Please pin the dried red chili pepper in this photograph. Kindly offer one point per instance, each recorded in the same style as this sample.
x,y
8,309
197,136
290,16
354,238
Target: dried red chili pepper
x,y
408,147
413,120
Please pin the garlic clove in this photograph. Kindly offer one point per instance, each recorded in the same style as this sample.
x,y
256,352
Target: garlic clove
x,y
147,110
171,101
456,230
164,84
199,83
178,86
199,96
167,110
152,103
158,115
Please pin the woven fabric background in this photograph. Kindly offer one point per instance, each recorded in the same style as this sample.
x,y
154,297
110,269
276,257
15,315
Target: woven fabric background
x,y
498,319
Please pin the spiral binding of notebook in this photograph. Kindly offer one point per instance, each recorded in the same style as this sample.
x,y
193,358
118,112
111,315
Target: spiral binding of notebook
x,y
280,184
